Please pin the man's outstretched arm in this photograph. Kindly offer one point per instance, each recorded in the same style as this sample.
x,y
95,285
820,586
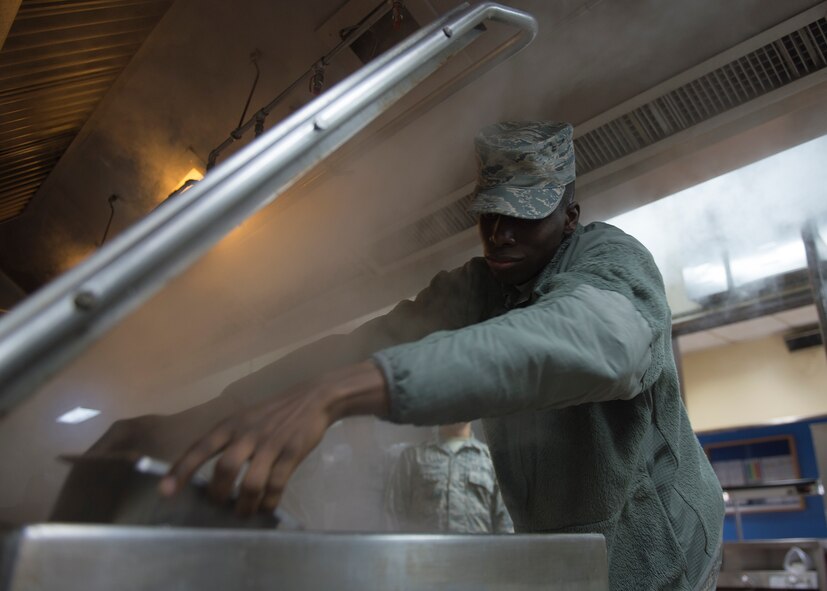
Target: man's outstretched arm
x,y
444,304
276,435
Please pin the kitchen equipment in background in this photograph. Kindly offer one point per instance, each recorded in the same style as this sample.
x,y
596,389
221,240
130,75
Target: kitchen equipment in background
x,y
779,564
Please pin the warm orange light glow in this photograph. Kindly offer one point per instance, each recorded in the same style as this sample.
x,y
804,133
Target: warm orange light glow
x,y
72,254
192,175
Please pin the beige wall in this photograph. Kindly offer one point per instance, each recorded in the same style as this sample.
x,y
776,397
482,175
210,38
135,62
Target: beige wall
x,y
8,10
753,382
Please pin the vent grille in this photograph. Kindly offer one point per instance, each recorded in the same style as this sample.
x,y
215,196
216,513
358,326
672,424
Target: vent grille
x,y
427,231
791,56
772,66
58,61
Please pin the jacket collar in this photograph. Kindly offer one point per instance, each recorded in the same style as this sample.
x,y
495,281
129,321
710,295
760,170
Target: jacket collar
x,y
528,292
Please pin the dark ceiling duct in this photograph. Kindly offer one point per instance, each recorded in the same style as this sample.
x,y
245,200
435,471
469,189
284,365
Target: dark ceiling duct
x,y
389,30
803,338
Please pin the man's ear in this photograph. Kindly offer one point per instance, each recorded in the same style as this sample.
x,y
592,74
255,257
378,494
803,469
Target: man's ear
x,y
572,217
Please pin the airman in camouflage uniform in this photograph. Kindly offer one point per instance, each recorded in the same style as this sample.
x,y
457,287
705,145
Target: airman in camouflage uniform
x,y
559,337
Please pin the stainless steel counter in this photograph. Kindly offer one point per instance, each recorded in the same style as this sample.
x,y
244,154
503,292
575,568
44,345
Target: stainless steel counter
x,y
90,558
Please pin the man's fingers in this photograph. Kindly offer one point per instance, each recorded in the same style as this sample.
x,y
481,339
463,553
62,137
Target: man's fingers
x,y
228,467
255,481
182,471
279,474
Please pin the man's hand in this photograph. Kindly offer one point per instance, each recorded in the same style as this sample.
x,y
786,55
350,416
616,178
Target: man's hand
x,y
275,436
162,436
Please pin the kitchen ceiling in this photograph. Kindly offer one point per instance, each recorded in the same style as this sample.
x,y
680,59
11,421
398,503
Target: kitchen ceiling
x,y
755,328
195,74
379,227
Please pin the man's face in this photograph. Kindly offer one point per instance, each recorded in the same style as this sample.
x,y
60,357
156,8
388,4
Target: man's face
x,y
516,250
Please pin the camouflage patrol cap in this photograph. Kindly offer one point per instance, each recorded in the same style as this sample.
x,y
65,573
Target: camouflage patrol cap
x,y
524,167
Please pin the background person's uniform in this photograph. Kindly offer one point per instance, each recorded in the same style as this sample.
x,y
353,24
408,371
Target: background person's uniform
x,y
574,376
446,487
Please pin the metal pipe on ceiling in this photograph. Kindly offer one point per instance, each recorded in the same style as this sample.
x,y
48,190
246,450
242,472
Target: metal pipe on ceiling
x,y
257,119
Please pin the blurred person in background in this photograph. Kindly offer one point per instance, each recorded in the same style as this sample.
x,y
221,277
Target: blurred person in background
x,y
447,485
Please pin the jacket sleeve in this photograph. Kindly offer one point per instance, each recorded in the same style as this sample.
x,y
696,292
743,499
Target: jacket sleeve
x,y
596,334
446,303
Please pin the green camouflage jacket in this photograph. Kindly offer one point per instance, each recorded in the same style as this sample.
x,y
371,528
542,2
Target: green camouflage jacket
x,y
435,489
579,392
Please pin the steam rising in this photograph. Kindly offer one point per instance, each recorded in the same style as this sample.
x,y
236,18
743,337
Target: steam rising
x,y
299,267
751,217
341,485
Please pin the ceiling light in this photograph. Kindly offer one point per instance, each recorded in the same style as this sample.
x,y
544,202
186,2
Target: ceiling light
x,y
707,279
768,261
77,415
192,175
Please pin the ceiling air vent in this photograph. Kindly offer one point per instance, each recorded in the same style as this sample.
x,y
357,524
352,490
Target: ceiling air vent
x,y
803,338
767,68
783,55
